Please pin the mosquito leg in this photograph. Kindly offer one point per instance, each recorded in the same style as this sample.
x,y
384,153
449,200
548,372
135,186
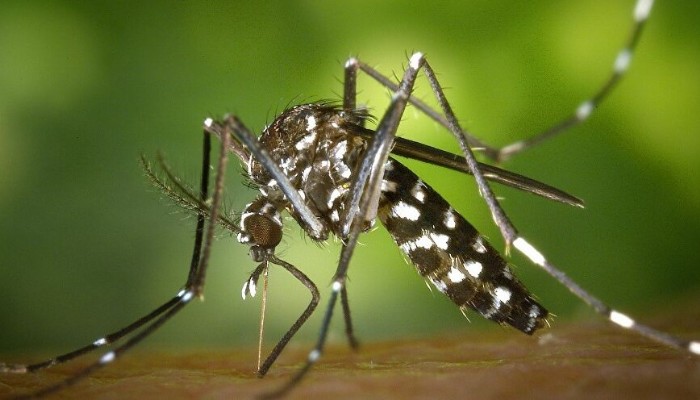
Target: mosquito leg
x,y
336,288
507,229
198,273
162,314
315,296
365,188
349,103
103,341
601,308
622,62
117,335
182,299
349,331
356,64
584,110
350,84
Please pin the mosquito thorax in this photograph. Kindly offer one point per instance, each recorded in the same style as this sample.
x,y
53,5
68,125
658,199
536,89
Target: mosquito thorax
x,y
316,148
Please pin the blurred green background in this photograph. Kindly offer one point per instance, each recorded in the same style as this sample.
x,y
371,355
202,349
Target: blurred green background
x,y
86,245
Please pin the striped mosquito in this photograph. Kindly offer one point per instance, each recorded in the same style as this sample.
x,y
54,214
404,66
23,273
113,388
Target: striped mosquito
x,y
335,177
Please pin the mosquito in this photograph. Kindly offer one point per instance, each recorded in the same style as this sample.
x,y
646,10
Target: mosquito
x,y
319,163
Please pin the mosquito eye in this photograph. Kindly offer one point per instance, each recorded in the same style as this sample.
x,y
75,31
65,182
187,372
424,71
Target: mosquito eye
x,y
265,232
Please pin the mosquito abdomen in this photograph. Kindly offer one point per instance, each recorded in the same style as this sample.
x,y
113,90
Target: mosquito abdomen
x,y
449,252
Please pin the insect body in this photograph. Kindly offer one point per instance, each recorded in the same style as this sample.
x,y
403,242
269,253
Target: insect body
x,y
316,146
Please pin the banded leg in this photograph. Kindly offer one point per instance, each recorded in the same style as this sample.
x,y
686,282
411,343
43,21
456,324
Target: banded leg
x,y
152,321
621,64
582,112
616,317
